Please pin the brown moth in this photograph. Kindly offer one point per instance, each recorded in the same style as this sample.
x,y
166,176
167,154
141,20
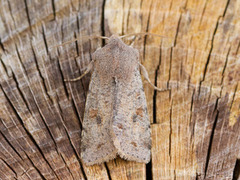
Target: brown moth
x,y
116,120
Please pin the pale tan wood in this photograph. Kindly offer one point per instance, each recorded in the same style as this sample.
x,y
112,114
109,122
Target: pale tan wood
x,y
195,126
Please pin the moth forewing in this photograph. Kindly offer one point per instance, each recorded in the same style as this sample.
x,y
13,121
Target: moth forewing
x,y
116,120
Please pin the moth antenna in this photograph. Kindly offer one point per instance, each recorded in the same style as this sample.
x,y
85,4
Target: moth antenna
x,y
82,37
142,33
145,74
90,66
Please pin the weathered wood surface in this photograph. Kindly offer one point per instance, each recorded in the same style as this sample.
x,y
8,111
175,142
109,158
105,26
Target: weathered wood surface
x,y
195,126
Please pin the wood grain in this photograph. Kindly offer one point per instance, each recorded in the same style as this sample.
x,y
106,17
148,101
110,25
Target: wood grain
x,y
195,125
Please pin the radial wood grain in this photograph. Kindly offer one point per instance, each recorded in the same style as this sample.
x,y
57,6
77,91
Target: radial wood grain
x,y
195,125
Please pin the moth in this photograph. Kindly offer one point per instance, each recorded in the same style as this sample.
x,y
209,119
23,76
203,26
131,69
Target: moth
x,y
116,120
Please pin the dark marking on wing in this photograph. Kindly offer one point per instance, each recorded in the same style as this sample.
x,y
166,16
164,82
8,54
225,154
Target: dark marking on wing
x,y
134,144
138,95
148,145
93,113
83,147
120,126
134,118
139,111
100,145
99,120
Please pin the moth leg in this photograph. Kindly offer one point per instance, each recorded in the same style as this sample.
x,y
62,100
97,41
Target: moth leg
x,y
133,41
89,68
145,74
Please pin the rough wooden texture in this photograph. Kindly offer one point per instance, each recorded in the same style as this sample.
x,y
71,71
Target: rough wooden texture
x,y
195,126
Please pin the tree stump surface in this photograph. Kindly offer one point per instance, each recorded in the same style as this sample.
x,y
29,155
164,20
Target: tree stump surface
x,y
195,126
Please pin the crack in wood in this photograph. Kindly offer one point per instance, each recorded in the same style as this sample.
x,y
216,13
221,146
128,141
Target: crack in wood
x,y
211,138
26,131
54,9
28,15
9,166
36,168
155,92
236,170
147,30
103,21
108,171
149,170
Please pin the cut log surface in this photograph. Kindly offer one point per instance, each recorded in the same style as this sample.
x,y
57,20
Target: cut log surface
x,y
195,126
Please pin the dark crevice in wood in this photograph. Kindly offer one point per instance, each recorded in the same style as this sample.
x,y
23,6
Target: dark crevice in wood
x,y
174,173
62,78
147,29
20,93
170,69
209,55
214,33
26,103
82,169
9,143
123,4
54,9
197,176
236,171
238,48
85,91
4,66
81,166
211,138
115,162
226,7
20,60
20,120
76,42
66,165
9,167
44,39
74,105
103,22
77,113
234,94
72,146
40,75
28,15
190,119
189,83
62,33
155,91
108,171
78,24
2,46
192,102
225,65
170,133
36,168
178,26
181,70
149,170
86,88
22,124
